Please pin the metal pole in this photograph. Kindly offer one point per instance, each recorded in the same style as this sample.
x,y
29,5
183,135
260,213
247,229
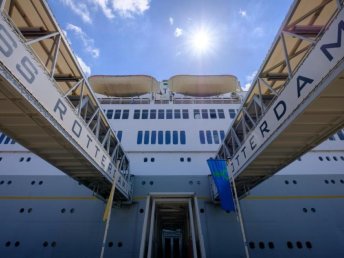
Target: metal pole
x,y
199,229
151,229
144,230
194,249
239,216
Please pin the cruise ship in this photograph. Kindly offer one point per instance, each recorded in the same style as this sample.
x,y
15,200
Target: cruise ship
x,y
70,145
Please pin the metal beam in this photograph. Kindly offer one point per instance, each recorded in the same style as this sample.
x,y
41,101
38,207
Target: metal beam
x,y
53,34
56,53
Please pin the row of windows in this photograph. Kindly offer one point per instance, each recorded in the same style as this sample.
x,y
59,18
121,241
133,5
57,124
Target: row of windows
x,y
211,136
333,181
340,136
271,245
53,244
328,158
161,137
169,113
5,139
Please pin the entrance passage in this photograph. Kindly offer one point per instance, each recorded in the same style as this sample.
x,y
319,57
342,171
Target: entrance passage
x,y
171,228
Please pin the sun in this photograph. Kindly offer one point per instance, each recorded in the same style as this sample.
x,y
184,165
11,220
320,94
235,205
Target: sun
x,y
201,41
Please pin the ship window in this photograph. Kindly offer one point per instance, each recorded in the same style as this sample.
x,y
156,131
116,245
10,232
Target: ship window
x,y
153,137
212,113
313,210
308,244
109,113
139,137
331,138
220,113
304,210
161,137
177,114
7,140
2,136
290,245
320,158
342,181
45,244
125,114
261,245
119,135
21,159
209,137
167,137
222,135
161,114
216,137
271,245
118,114
332,181
201,137
110,244
197,114
335,158
146,138
0,158
181,159
328,158
145,159
136,114
182,137
13,141
231,113
299,244
340,135
326,181
152,114
205,114
169,114
175,137
251,245
152,159
342,158
145,114
185,114
188,159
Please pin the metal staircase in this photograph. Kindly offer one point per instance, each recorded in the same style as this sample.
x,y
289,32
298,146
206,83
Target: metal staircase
x,y
297,98
47,104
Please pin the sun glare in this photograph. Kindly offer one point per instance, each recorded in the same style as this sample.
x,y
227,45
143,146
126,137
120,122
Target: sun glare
x,y
201,41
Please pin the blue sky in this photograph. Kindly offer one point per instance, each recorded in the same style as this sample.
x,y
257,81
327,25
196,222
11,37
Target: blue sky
x,y
161,37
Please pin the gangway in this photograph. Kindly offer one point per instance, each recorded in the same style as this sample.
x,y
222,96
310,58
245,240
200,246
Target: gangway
x,y
47,104
296,99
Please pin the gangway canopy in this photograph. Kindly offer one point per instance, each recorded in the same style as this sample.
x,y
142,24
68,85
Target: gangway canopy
x,y
296,99
124,86
47,104
204,85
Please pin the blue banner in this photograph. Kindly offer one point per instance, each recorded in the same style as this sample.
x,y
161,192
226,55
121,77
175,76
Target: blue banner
x,y
218,168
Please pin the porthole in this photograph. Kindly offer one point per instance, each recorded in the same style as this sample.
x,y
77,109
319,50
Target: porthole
x,y
304,210
320,158
119,244
21,159
261,245
342,158
45,244
40,182
198,182
189,159
299,244
313,210
190,182
151,182
335,158
328,158
309,244
145,159
33,182
251,245
143,182
71,210
332,181
21,210
201,210
341,181
286,182
142,210
29,210
53,244
326,181
8,243
152,159
0,158
110,244
63,210
28,159
271,245
9,182
17,243
182,159
294,182
290,245
2,182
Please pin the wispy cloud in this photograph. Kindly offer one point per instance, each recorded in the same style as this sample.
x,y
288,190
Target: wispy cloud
x,y
171,20
81,9
178,32
85,68
249,80
85,39
105,6
242,13
258,32
128,8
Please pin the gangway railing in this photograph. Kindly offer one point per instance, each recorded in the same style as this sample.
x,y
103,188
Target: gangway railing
x,y
296,99
47,104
